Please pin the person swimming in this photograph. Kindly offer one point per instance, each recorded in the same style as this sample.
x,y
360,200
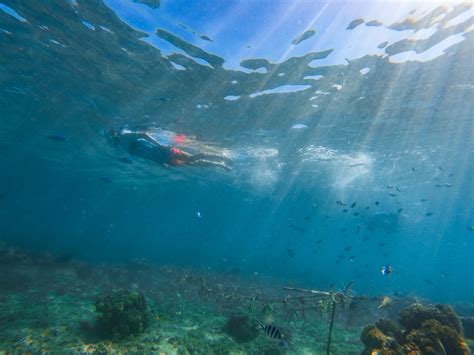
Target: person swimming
x,y
168,148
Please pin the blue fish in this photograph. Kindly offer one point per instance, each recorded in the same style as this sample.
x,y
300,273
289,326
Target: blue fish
x,y
387,270
126,159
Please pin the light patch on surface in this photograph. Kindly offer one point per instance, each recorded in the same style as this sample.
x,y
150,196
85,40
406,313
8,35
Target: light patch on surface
x,y
9,11
177,66
337,87
56,42
281,74
88,25
466,15
231,98
422,34
234,82
284,89
202,106
315,106
105,29
430,54
364,71
299,126
320,92
313,77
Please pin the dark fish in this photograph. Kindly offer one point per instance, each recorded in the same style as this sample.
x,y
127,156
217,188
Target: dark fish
x,y
356,213
306,218
347,248
428,281
271,331
126,159
106,179
377,203
399,189
428,214
319,241
440,168
470,228
413,169
393,195
387,270
423,200
57,138
290,253
354,204
344,210
367,208
365,238
206,38
400,210
389,186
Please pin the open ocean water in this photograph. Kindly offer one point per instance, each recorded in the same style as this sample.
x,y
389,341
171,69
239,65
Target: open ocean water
x,y
236,177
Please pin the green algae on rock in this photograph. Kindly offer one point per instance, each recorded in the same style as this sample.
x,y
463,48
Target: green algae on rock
x,y
122,313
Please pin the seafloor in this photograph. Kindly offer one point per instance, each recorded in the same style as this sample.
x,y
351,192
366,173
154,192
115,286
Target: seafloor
x,y
47,306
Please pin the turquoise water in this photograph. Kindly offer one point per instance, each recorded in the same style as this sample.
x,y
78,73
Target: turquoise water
x,y
352,141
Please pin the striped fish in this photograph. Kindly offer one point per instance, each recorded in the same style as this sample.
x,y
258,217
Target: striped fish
x,y
271,331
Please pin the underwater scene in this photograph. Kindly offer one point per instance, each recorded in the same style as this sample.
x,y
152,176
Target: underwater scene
x,y
236,177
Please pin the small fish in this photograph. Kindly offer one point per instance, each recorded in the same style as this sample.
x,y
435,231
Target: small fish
x,y
399,189
439,185
198,214
347,248
423,200
428,214
356,214
367,208
413,169
387,270
354,204
448,184
319,241
106,179
385,302
340,203
377,203
470,228
126,159
271,331
400,210
440,168
345,210
389,186
57,138
306,218
393,195
290,253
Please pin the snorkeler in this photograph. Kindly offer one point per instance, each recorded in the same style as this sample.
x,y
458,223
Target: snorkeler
x,y
168,148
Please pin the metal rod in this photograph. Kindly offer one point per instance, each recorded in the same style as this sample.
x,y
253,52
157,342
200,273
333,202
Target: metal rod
x,y
328,349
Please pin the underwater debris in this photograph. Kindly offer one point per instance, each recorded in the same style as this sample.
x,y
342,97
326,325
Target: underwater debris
x,y
427,330
241,328
122,313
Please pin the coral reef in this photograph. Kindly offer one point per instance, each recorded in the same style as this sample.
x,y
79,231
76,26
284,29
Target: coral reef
x,y
427,330
122,313
241,328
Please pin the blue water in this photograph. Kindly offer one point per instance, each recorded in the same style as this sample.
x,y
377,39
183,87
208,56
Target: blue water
x,y
392,124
